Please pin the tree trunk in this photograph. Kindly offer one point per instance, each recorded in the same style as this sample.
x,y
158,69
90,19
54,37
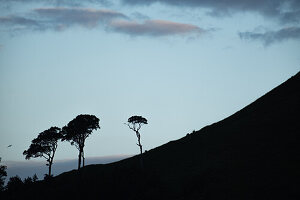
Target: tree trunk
x,y
51,160
141,161
79,159
83,159
139,142
141,149
50,165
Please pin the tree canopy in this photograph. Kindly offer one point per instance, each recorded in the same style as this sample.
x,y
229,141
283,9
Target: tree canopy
x,y
14,183
137,120
44,145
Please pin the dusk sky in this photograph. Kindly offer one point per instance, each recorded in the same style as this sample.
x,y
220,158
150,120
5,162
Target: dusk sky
x,y
180,64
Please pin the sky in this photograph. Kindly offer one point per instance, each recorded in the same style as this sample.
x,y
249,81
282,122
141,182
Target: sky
x,y
180,64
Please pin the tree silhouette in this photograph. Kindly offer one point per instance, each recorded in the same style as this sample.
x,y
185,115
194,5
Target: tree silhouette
x,y
48,178
28,181
135,123
34,178
45,146
3,174
78,130
14,184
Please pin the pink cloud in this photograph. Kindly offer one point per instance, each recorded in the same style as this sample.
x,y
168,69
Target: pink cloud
x,y
154,28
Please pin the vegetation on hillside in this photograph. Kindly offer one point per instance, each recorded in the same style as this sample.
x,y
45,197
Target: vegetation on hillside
x,y
252,154
3,174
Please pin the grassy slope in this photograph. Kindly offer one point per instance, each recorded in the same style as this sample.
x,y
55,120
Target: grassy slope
x,y
252,154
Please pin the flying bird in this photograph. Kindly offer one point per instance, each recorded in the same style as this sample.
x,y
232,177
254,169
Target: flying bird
x,y
9,145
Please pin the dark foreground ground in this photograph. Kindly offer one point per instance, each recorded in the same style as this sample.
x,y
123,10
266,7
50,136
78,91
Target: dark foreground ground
x,y
253,154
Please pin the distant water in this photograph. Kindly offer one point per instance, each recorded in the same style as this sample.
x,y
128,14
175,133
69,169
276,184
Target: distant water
x,y
30,167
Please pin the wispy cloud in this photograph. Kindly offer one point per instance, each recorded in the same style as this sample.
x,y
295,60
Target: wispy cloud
x,y
6,3
270,37
15,20
17,23
285,10
139,16
154,28
60,18
66,17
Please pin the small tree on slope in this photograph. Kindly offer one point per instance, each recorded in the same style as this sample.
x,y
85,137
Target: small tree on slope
x,y
135,123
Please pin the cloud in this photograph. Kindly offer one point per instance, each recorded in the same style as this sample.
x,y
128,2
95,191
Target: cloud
x,y
88,18
15,20
270,8
270,37
139,16
293,16
8,3
61,18
20,23
154,28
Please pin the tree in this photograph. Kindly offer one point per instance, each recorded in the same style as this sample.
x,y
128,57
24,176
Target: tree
x,y
14,183
28,181
34,178
47,178
3,174
44,145
78,130
135,123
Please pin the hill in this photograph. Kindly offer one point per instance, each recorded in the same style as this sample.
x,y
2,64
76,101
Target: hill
x,y
29,167
253,154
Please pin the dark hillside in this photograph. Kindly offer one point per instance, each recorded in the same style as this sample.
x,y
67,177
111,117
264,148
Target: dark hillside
x,y
253,154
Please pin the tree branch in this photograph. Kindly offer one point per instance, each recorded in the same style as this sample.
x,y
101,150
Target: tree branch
x,y
140,125
132,128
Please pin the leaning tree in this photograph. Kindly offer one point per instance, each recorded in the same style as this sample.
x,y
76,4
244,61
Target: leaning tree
x,y
135,123
78,130
45,146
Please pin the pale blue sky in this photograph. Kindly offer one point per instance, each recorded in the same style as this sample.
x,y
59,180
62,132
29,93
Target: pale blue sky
x,y
178,66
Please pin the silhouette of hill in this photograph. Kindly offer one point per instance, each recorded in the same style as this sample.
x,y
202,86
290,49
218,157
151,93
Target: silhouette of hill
x,y
253,154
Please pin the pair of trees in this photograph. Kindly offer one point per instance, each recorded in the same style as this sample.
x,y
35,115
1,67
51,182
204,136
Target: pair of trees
x,y
76,132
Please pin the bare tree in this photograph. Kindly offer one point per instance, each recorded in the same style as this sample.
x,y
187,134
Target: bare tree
x,y
78,130
135,123
45,146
